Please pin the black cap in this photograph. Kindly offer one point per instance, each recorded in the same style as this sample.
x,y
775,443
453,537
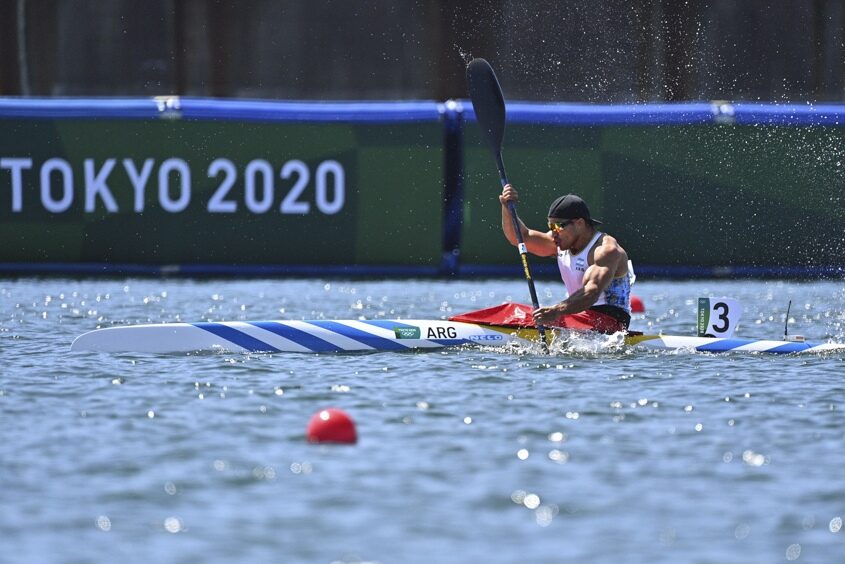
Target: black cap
x,y
571,207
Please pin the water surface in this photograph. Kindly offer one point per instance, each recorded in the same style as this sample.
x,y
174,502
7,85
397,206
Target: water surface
x,y
464,455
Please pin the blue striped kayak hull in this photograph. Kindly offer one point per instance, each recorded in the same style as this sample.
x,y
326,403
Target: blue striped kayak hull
x,y
330,336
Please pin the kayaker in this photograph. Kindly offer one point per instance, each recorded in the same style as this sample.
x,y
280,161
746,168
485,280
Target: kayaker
x,y
594,267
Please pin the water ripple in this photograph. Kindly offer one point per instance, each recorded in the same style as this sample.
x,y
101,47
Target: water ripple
x,y
592,454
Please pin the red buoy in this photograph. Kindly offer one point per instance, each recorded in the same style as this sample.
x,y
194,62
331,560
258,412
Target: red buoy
x,y
637,305
331,425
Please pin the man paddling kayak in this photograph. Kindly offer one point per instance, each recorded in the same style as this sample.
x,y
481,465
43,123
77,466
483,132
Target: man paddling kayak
x,y
593,266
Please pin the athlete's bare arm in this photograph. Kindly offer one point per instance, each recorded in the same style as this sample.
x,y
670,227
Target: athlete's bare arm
x,y
536,242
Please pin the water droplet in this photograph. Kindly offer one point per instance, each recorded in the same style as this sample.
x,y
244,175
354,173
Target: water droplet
x,y
793,551
104,523
173,525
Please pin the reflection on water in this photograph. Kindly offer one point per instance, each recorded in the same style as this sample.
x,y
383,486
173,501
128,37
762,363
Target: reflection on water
x,y
595,453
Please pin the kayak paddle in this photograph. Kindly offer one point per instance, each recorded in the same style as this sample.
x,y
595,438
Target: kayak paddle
x,y
489,105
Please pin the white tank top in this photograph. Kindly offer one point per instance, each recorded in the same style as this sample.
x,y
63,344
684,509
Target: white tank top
x,y
572,269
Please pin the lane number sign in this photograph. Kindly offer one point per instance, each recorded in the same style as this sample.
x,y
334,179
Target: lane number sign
x,y
718,317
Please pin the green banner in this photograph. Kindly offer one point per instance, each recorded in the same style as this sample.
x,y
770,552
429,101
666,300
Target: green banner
x,y
153,182
220,192
703,195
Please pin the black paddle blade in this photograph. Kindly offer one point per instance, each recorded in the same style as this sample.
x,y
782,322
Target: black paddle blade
x,y
487,101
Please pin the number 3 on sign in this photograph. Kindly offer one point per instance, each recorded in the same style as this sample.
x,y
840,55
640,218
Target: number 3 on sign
x,y
718,317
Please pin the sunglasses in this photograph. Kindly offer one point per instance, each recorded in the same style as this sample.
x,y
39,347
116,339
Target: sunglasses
x,y
555,226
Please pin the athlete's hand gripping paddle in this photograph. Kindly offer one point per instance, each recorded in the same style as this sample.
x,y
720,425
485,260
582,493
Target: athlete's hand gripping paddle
x,y
489,105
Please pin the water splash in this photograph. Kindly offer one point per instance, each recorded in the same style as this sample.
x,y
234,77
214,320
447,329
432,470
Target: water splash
x,y
579,342
466,56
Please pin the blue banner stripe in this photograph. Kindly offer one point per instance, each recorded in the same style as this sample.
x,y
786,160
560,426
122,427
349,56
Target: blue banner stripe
x,y
378,343
237,337
46,108
298,336
332,112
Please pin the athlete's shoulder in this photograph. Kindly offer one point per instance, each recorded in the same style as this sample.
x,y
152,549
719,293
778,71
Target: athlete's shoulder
x,y
609,241
610,250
